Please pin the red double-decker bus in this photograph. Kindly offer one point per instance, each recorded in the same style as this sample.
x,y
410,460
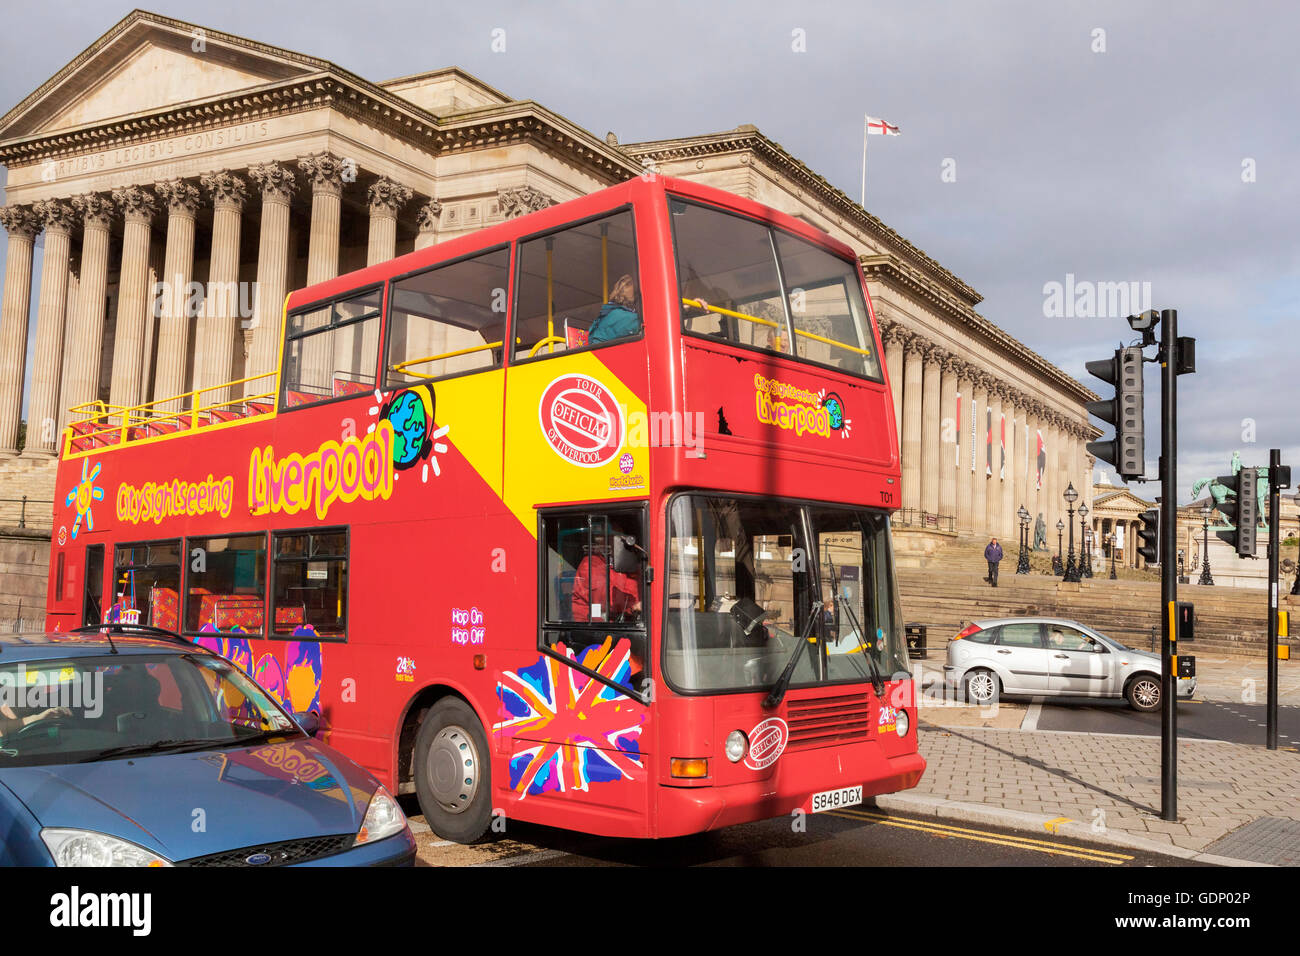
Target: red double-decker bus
x,y
582,519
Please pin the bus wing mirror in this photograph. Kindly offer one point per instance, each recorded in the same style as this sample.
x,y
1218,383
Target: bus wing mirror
x,y
627,556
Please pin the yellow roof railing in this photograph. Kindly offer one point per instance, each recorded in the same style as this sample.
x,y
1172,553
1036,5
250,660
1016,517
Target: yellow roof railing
x,y
115,425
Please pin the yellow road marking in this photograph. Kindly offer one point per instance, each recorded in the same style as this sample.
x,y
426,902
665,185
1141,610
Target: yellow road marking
x,y
986,836
1051,825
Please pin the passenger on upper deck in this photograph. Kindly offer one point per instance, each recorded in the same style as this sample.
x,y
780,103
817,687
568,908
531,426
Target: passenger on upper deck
x,y
618,317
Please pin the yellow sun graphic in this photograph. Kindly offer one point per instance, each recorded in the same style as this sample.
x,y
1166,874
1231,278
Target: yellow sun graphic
x,y
84,495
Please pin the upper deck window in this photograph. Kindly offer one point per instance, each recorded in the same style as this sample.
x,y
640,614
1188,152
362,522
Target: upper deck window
x,y
448,320
332,350
748,283
578,287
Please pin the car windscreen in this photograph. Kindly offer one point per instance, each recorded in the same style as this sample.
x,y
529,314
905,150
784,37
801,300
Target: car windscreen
x,y
76,710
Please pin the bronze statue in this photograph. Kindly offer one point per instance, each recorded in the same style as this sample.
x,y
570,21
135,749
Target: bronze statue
x,y
1219,492
1040,533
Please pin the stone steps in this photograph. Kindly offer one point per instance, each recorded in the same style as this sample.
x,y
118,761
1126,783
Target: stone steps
x,y
30,477
1229,620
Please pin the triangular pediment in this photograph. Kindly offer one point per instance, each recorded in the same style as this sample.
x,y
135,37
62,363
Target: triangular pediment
x,y
147,63
1119,499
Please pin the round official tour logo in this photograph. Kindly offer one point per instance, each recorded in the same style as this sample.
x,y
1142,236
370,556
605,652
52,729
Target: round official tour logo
x,y
581,420
766,743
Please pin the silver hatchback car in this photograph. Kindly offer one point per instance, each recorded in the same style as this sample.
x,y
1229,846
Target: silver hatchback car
x,y
1052,657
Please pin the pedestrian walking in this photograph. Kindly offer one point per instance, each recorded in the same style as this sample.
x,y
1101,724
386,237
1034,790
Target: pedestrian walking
x,y
993,554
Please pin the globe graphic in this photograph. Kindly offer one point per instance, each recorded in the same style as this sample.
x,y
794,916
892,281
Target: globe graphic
x,y
836,412
409,428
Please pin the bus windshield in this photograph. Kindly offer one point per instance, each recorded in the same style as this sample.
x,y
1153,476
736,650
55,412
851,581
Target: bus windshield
x,y
742,581
752,285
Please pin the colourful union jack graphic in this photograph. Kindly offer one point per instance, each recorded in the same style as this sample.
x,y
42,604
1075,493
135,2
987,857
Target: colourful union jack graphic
x,y
578,731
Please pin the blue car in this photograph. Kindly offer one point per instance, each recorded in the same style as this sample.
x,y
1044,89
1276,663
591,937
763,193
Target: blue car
x,y
132,746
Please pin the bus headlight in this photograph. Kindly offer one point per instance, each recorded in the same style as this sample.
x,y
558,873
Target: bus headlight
x,y
737,746
902,723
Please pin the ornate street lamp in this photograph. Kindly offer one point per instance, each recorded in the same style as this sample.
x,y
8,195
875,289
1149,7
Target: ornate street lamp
x,y
1071,572
1058,567
1022,566
1112,555
1085,546
1206,577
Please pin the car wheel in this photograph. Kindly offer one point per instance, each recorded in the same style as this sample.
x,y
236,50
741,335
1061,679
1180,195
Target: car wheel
x,y
981,687
1144,693
453,777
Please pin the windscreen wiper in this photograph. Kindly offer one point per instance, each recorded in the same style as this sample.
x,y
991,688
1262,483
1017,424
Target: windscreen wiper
x,y
777,693
155,747
877,681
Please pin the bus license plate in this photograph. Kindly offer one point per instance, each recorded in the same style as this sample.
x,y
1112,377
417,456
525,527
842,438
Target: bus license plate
x,y
835,799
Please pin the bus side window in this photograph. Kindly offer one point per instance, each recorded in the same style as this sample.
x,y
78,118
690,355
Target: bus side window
x,y
589,601
578,287
332,350
448,320
310,584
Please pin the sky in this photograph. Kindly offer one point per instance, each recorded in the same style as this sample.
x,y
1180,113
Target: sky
x,y
1108,142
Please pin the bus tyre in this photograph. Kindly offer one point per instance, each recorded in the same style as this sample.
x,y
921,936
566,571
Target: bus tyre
x,y
1143,693
981,687
453,777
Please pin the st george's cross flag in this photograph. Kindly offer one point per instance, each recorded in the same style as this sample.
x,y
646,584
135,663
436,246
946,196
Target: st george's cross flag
x,y
878,127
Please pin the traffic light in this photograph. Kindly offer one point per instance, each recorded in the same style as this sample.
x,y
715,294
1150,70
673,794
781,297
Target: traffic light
x,y
1149,536
1126,451
1241,510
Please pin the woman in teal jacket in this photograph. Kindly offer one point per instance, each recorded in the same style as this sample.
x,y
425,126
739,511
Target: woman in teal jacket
x,y
617,318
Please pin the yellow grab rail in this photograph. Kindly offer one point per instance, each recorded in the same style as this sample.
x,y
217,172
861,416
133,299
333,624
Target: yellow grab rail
x,y
701,304
403,366
549,340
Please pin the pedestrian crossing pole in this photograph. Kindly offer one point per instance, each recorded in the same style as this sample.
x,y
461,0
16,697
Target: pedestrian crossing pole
x,y
1279,477
1169,365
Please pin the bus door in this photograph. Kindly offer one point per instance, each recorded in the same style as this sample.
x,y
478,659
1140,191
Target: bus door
x,y
579,714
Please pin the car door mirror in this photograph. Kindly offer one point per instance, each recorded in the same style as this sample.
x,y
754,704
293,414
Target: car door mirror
x,y
309,721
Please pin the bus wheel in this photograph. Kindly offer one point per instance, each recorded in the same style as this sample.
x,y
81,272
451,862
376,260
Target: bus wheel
x,y
453,779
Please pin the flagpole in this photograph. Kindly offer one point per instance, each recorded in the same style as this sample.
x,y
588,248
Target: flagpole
x,y
864,162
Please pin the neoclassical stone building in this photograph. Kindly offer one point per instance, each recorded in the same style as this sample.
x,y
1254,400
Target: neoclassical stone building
x,y
168,157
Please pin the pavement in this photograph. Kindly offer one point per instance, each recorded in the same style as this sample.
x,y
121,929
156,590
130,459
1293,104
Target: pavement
x,y
1238,803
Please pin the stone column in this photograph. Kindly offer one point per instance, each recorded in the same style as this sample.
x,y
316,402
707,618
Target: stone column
x,y
22,224
386,199
913,370
1055,489
182,201
930,429
893,335
85,340
427,218
51,315
313,369
1014,483
965,482
979,478
278,184
326,175
949,438
993,516
219,324
133,301
1031,471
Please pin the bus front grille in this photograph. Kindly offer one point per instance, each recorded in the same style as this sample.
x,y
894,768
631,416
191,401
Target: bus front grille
x,y
825,721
